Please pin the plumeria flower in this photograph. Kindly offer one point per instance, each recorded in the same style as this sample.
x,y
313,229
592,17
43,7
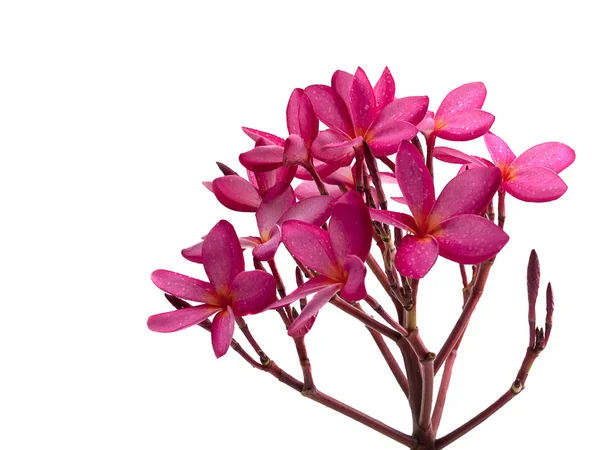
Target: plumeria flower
x,y
279,206
337,255
449,226
303,129
531,177
355,111
459,117
231,292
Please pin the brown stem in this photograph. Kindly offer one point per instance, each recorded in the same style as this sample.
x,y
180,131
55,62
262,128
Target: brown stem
x,y
501,208
304,363
467,312
246,332
315,175
440,401
378,272
388,162
430,142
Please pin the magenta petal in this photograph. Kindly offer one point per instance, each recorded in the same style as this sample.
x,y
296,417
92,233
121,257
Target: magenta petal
x,y
262,159
330,108
222,331
320,299
362,102
408,109
275,202
535,184
236,193
396,219
385,89
291,112
385,138
295,151
338,154
311,286
193,253
415,181
470,192
453,156
465,125
551,155
268,137
222,255
350,227
185,287
469,239
252,292
181,318
310,245
307,120
314,210
308,189
416,256
354,289
500,152
342,176
465,97
266,249
341,82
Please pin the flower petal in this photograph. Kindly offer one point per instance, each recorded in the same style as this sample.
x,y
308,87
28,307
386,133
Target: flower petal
x,y
396,219
193,253
551,155
465,125
301,117
500,152
535,184
311,309
385,139
362,102
465,97
338,154
311,286
350,227
181,318
262,159
341,82
275,202
408,109
416,256
415,181
268,137
330,108
313,210
295,151
236,193
385,89
308,189
453,156
354,289
266,249
222,255
469,239
311,246
185,287
222,330
252,292
470,192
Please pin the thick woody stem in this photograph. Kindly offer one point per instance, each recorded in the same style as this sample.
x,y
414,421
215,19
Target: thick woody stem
x,y
304,363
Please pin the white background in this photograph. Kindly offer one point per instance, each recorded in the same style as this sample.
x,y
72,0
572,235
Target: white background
x,y
112,114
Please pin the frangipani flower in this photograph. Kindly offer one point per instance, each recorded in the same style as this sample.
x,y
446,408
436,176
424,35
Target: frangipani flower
x,y
337,256
459,117
230,291
354,112
279,206
531,177
449,226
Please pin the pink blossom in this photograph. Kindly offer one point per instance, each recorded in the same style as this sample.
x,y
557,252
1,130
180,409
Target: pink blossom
x,y
337,256
531,177
355,111
449,226
459,117
230,292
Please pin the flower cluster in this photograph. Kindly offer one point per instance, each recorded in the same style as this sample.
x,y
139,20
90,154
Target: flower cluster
x,y
320,192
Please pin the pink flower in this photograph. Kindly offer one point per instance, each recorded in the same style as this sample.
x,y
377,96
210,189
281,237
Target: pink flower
x,y
337,255
531,177
230,291
278,206
449,226
355,111
459,117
